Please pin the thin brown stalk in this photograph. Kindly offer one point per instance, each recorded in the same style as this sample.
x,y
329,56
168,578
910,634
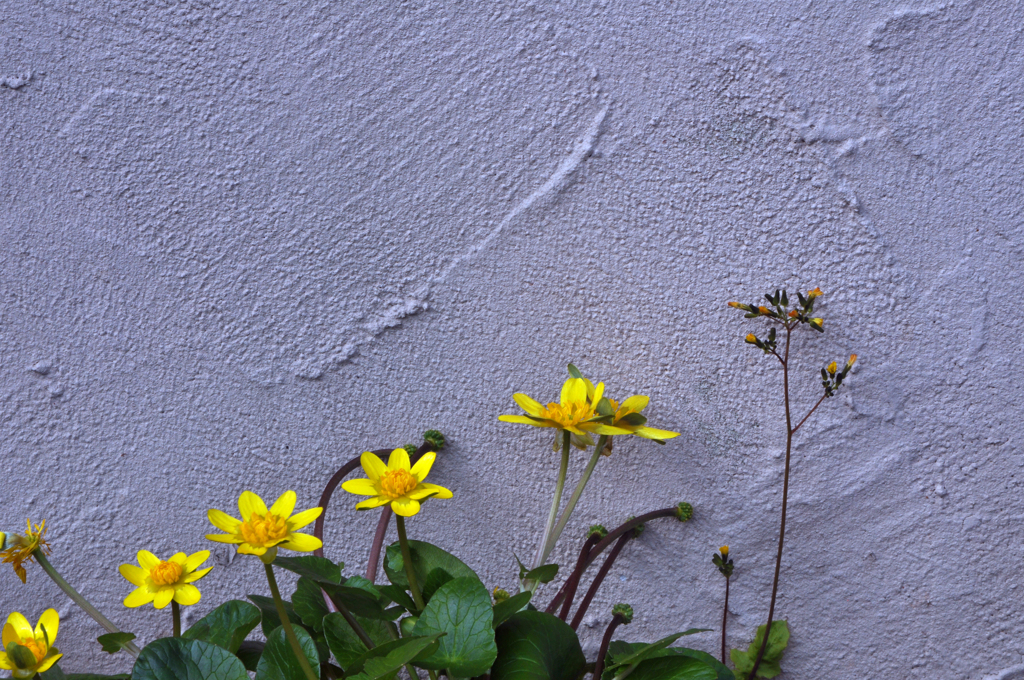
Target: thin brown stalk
x,y
573,582
617,620
378,544
605,568
725,614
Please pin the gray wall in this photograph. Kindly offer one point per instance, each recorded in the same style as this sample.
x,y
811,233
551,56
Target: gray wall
x,y
243,242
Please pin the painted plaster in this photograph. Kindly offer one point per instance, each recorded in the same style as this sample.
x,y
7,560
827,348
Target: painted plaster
x,y
243,242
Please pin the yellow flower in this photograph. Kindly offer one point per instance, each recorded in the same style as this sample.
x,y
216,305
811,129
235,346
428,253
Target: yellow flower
x,y
20,548
832,368
576,411
395,483
811,294
724,550
627,416
26,651
160,582
751,338
262,530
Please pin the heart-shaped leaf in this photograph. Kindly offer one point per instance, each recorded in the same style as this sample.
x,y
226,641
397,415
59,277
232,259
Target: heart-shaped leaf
x,y
505,609
319,569
226,626
278,661
343,641
535,645
425,558
181,659
115,642
460,609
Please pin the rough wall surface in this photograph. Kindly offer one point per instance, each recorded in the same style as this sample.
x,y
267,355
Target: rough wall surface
x,y
243,242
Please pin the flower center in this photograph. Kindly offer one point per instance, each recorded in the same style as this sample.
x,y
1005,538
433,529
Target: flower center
x,y
396,483
569,415
264,529
165,573
32,645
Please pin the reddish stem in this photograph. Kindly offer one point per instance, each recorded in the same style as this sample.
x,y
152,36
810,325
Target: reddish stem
x,y
605,568
378,544
573,582
605,642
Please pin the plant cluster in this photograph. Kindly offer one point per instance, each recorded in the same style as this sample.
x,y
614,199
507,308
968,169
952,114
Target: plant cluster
x,y
432,615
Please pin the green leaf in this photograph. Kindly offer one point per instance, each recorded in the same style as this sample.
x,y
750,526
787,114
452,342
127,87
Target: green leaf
x,y
359,601
113,643
642,651
425,558
398,595
21,656
53,673
343,641
673,668
575,372
84,676
269,620
250,652
770,663
534,645
180,659
634,419
543,573
387,658
461,608
619,650
319,569
226,626
278,661
435,579
309,604
505,609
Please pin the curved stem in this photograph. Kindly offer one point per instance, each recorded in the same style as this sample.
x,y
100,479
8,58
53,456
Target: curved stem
x,y
605,568
542,551
608,540
81,601
353,623
575,497
813,409
287,624
410,573
573,582
176,618
785,498
378,544
605,641
325,497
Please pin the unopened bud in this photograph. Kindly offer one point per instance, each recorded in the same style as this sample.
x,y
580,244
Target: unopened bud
x,y
736,305
500,595
410,448
811,294
764,310
751,338
849,364
816,324
684,512
832,368
793,314
435,439
724,550
624,612
597,530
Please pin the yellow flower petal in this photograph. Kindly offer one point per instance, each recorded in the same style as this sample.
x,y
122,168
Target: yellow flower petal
x,y
654,433
250,549
422,467
49,621
225,538
285,505
301,519
373,466
196,575
9,635
598,428
637,403
371,503
135,575
302,543
147,560
163,597
186,595
223,521
195,559
249,503
361,487
177,558
438,491
399,460
406,507
47,663
528,404
573,390
22,628
5,662
598,393
138,597
526,420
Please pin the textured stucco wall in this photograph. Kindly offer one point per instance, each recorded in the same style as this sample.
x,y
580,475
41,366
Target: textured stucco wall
x,y
242,242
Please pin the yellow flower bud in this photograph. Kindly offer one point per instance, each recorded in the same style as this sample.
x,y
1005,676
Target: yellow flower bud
x,y
832,368
734,305
817,322
751,338
724,550
764,310
853,359
811,294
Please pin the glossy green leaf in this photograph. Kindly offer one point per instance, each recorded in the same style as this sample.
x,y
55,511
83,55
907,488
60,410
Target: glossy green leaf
x,y
343,641
309,604
270,621
619,650
435,579
425,558
278,661
636,654
543,574
505,609
398,595
534,645
250,652
319,569
55,673
181,659
360,601
113,643
385,659
673,668
461,609
226,626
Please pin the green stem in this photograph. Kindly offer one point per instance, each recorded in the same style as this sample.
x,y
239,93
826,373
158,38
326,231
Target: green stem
x,y
410,573
287,624
542,549
575,497
81,601
176,618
